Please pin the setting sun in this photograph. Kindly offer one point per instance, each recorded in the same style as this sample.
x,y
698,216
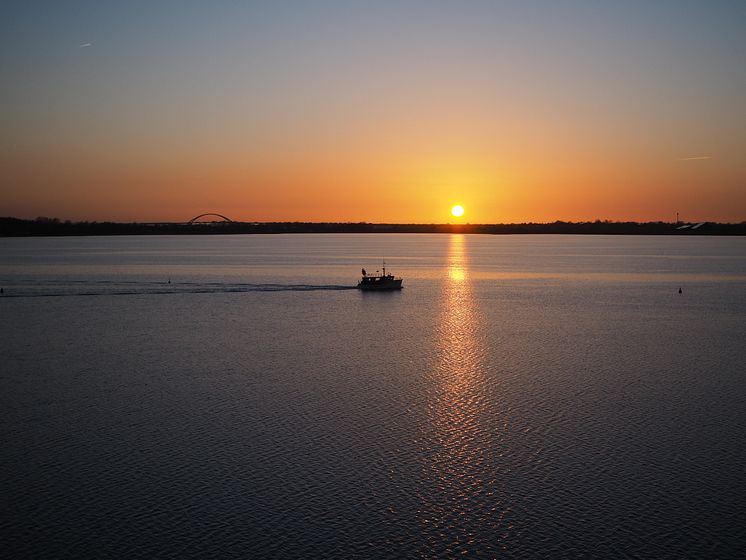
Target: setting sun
x,y
457,211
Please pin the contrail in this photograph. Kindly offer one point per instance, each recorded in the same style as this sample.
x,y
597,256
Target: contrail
x,y
694,158
86,45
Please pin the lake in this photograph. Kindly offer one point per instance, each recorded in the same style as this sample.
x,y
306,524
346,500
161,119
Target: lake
x,y
235,396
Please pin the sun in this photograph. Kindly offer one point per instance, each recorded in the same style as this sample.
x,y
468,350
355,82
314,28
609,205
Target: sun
x,y
457,211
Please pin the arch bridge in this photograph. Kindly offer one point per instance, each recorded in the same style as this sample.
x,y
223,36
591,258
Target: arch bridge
x,y
224,218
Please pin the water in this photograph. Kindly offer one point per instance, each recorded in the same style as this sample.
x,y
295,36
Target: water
x,y
522,397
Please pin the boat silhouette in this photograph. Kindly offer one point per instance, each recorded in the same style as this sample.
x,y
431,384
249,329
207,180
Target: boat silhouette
x,y
379,281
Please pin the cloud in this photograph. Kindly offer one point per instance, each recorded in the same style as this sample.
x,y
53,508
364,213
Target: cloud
x,y
86,45
694,158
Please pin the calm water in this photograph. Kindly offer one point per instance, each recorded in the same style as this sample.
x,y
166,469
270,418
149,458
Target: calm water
x,y
522,397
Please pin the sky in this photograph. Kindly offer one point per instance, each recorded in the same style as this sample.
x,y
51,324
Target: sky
x,y
386,111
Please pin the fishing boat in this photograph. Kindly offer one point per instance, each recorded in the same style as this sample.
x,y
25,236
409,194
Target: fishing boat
x,y
379,281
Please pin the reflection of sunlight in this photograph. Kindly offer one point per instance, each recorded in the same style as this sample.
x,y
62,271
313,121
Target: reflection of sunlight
x,y
453,503
456,273
457,345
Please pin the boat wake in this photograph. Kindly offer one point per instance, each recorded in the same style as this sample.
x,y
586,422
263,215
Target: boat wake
x,y
80,288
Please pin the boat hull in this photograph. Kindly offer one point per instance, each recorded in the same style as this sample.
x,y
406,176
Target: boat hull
x,y
380,286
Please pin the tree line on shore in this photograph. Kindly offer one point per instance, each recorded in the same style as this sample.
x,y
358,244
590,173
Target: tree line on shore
x,y
41,226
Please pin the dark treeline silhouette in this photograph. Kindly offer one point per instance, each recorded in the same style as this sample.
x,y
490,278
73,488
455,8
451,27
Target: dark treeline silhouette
x,y
15,227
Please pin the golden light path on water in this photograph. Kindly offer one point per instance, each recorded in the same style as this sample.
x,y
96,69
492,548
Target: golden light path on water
x,y
456,516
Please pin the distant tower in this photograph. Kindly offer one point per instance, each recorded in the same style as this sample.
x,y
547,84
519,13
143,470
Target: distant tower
x,y
677,217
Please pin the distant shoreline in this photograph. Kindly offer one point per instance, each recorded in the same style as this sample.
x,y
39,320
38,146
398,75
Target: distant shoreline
x,y
16,227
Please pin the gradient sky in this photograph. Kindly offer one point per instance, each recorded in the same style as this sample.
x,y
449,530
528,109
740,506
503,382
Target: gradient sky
x,y
374,111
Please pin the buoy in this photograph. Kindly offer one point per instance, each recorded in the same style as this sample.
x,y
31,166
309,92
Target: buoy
x,y
679,290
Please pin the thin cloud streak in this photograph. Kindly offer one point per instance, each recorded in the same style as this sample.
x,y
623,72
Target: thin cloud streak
x,y
86,45
694,158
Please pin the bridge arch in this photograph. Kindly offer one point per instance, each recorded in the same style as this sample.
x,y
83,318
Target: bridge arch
x,y
225,218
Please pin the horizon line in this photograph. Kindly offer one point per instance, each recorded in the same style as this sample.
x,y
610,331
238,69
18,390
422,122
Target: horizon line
x,y
61,221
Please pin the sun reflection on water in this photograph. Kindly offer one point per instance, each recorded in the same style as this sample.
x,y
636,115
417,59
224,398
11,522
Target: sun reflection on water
x,y
457,516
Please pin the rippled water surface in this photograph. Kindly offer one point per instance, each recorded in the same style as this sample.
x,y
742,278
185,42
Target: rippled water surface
x,y
232,396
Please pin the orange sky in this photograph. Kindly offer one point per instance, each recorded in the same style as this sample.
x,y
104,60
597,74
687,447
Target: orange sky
x,y
378,114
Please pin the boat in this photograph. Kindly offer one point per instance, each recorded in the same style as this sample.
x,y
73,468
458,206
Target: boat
x,y
379,281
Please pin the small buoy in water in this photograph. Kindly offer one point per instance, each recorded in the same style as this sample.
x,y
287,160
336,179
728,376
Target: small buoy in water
x,y
169,281
679,290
